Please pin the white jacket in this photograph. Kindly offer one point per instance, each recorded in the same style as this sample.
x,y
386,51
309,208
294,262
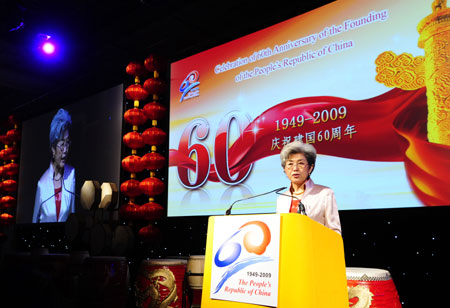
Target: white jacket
x,y
320,205
44,204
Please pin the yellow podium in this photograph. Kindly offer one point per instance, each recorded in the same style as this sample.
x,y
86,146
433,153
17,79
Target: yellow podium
x,y
312,271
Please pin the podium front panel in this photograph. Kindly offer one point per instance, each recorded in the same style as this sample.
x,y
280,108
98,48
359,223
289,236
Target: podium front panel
x,y
311,266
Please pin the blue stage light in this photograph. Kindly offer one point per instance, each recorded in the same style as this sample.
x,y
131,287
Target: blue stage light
x,y
48,48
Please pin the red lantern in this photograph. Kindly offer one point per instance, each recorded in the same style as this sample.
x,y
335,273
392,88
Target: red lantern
x,y
4,155
152,186
132,163
135,69
13,135
154,86
154,136
10,153
151,211
133,140
11,169
129,211
153,161
136,92
154,111
135,116
153,63
131,188
148,233
6,218
2,171
10,185
12,120
7,202
4,139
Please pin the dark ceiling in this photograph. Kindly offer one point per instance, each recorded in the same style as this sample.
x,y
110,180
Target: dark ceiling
x,y
101,37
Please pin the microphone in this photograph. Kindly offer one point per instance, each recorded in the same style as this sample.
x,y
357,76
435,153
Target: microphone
x,y
301,206
38,219
228,212
54,194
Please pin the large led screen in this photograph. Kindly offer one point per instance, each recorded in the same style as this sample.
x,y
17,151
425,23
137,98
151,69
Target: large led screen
x,y
94,154
365,82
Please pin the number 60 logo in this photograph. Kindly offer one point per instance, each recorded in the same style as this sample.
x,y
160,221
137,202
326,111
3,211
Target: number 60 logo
x,y
190,144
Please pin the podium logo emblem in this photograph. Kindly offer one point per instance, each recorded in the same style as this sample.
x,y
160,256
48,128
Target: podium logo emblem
x,y
255,241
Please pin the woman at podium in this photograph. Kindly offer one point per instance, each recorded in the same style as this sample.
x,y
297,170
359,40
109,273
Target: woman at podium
x,y
304,196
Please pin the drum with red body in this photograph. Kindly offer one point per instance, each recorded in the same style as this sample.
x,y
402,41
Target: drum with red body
x,y
159,283
371,287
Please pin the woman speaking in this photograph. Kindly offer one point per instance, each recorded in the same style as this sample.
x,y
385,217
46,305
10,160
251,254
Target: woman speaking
x,y
298,161
55,194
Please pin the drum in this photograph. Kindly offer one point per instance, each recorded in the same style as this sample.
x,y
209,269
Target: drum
x,y
195,271
371,287
159,283
195,297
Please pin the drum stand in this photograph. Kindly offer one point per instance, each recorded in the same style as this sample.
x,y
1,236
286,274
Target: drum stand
x,y
188,293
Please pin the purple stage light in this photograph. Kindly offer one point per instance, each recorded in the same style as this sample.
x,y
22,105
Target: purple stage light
x,y
48,48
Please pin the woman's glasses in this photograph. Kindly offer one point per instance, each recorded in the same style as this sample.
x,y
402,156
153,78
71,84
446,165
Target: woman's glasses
x,y
299,164
63,145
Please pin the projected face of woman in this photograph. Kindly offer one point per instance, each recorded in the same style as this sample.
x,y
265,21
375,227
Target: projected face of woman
x,y
60,152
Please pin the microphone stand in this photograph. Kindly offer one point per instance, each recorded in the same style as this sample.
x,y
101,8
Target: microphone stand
x,y
301,206
228,212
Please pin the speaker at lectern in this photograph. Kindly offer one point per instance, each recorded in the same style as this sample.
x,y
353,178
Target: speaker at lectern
x,y
273,260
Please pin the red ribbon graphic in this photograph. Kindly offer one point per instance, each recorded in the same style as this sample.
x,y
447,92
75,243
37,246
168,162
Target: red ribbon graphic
x,y
388,127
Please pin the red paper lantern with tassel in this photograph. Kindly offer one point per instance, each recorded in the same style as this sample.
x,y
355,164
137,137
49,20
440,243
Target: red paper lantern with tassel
x,y
6,218
12,153
4,154
4,139
135,116
7,202
135,68
132,164
154,111
129,211
133,140
13,135
154,86
11,169
136,92
10,185
148,233
152,186
13,120
131,188
153,161
153,63
151,211
154,136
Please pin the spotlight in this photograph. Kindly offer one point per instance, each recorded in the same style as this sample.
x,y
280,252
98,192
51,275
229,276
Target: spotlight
x,y
48,48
